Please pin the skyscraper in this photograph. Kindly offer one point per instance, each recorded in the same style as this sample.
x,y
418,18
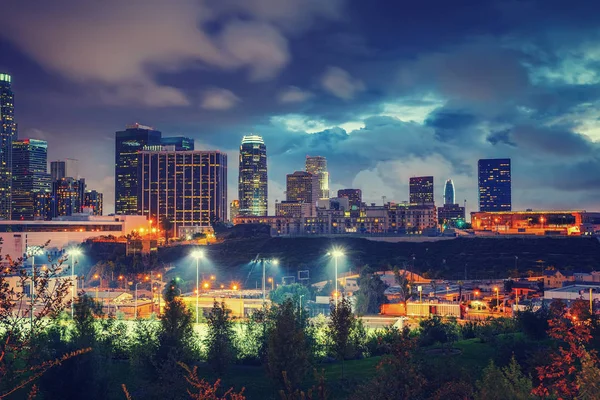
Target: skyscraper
x,y
303,187
181,143
234,209
58,170
253,181
8,133
94,200
317,165
30,175
494,184
128,144
449,192
187,188
354,197
68,195
421,190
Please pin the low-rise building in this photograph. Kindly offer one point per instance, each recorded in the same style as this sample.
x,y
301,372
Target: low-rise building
x,y
574,292
556,278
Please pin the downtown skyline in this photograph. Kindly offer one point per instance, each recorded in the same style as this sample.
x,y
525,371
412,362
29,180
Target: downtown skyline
x,y
382,100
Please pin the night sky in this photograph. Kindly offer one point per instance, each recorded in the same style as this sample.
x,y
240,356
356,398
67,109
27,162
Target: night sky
x,y
384,89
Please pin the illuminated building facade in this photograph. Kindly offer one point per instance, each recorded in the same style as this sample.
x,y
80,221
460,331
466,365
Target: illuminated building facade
x,y
354,197
303,187
317,165
535,222
93,200
181,143
494,177
293,209
187,188
253,180
8,133
451,215
421,190
68,196
30,175
44,206
449,197
128,144
234,209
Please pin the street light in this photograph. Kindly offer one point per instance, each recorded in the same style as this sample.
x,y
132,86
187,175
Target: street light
x,y
264,262
336,253
497,290
73,253
32,252
198,254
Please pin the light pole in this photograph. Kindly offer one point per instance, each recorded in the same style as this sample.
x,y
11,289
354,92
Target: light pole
x,y
497,290
301,296
198,254
336,253
35,250
136,304
73,253
264,276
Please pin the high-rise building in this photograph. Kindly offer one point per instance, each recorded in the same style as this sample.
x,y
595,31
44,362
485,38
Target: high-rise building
x,y
187,188
8,133
234,209
128,144
449,192
354,197
93,200
58,170
30,175
253,181
303,187
317,165
494,184
68,196
421,190
181,143
44,206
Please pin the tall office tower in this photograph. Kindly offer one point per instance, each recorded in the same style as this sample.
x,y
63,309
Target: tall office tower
x,y
449,192
44,206
187,188
181,143
354,197
58,170
8,133
494,184
93,200
30,175
317,165
128,144
303,187
253,181
234,209
421,190
68,196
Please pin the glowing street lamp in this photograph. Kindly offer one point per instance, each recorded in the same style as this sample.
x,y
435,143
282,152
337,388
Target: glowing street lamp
x,y
32,252
497,290
73,253
336,253
264,262
198,254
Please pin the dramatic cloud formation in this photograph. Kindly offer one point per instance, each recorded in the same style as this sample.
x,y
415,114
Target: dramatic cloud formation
x,y
381,89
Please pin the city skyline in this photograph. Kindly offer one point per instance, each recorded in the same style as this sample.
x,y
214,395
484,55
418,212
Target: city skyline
x,y
432,101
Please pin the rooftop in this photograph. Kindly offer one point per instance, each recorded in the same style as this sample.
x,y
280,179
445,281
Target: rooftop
x,y
578,288
253,139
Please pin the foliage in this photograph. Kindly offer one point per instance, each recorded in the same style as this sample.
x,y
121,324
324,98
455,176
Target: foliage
x,y
588,380
506,383
293,291
340,325
454,390
370,295
220,348
202,390
288,349
317,392
534,324
434,330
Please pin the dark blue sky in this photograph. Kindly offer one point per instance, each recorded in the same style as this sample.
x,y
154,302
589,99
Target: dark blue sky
x,y
384,89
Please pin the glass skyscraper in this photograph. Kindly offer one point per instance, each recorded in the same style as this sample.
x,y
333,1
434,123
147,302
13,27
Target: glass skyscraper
x,y
68,196
128,144
8,133
94,200
421,190
449,197
494,184
303,187
30,176
187,188
252,182
317,165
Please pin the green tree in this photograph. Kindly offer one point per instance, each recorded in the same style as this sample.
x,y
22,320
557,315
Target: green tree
x,y
293,291
220,338
288,346
588,380
371,293
506,383
340,326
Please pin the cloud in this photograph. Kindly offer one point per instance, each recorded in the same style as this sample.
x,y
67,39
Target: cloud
x,y
552,141
293,94
339,83
219,99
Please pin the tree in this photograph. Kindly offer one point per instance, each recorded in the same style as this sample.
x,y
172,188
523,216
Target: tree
x,y
220,338
371,293
401,280
167,226
588,380
340,325
506,383
293,291
434,330
288,349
